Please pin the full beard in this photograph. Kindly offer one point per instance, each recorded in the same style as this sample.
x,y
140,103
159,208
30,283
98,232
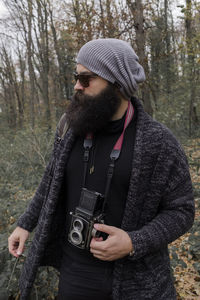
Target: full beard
x,y
90,114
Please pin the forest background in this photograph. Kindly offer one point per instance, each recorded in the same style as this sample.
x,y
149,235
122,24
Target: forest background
x,y
39,40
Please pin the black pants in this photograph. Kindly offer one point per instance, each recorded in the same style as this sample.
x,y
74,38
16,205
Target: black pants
x,y
80,281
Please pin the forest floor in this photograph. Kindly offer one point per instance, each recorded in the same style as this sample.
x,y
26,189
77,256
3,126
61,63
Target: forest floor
x,y
186,265
185,251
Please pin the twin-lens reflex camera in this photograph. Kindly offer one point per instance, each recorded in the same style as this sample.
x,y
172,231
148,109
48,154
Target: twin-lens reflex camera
x,y
87,213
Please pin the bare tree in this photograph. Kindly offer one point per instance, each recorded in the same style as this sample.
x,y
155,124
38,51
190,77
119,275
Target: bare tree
x,y
63,74
22,67
41,58
137,11
168,48
8,85
190,33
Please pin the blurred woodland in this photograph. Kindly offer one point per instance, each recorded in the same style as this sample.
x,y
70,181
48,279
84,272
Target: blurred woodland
x,y
39,40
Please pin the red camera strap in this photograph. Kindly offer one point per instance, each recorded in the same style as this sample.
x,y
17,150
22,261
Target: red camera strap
x,y
118,146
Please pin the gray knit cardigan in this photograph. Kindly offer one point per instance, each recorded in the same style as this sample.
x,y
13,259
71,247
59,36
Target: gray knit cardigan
x,y
159,209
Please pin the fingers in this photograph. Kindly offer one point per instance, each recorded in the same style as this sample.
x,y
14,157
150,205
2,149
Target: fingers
x,y
98,239
99,250
97,243
100,256
117,245
105,228
13,245
20,249
16,241
96,252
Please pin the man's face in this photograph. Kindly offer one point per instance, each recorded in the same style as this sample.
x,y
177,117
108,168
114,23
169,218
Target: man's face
x,y
96,84
93,106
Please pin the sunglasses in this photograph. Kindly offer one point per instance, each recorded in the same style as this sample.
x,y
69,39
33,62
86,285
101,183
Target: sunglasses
x,y
84,79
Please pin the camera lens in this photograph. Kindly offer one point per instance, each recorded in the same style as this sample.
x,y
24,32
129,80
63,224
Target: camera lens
x,y
78,224
76,237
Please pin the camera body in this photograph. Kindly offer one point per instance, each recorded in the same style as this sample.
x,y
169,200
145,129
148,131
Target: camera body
x,y
83,219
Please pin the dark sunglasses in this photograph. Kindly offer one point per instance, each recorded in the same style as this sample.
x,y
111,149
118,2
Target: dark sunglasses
x,y
84,79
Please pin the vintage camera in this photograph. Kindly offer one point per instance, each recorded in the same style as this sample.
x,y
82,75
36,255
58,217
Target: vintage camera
x,y
86,215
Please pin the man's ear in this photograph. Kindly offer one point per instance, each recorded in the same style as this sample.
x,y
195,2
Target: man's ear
x,y
120,94
117,89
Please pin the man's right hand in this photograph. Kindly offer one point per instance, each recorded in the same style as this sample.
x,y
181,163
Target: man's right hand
x,y
17,240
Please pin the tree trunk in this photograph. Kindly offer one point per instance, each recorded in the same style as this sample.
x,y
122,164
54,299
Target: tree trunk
x,y
60,75
79,29
41,33
22,77
13,84
110,27
30,65
136,9
167,45
102,19
191,65
9,99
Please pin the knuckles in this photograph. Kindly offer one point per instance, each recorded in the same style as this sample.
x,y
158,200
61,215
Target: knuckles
x,y
104,248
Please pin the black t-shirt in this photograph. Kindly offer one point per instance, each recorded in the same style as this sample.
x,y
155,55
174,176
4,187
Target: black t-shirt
x,y
99,160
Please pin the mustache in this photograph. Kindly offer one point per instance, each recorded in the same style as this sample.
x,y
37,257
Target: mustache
x,y
80,99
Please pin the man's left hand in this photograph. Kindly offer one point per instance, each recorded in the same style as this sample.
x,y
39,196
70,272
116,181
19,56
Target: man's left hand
x,y
117,245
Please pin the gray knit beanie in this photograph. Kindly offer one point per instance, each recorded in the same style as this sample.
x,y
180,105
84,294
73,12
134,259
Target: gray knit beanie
x,y
114,60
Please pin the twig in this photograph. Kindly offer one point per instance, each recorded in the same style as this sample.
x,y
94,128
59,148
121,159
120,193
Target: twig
x,y
13,270
36,293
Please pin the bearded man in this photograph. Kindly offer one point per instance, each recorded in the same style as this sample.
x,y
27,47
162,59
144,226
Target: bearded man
x,y
115,193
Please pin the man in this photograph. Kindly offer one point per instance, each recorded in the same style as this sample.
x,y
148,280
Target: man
x,y
117,166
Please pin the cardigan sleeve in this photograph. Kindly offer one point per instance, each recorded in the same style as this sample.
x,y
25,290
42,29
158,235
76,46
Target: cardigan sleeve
x,y
28,220
175,215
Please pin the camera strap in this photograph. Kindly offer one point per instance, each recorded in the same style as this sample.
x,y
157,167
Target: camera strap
x,y
87,146
115,153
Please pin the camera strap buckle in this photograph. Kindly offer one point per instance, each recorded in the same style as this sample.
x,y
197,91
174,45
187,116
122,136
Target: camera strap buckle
x,y
87,145
115,154
88,141
86,155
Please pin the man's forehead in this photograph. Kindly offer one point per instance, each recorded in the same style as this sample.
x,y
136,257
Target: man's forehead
x,y
81,69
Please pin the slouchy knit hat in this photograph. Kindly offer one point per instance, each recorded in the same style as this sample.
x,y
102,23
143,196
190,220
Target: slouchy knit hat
x,y
114,60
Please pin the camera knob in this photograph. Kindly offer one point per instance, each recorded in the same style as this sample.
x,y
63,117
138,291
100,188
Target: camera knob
x,y
94,231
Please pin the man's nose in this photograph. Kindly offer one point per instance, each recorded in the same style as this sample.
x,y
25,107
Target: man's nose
x,y
78,86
